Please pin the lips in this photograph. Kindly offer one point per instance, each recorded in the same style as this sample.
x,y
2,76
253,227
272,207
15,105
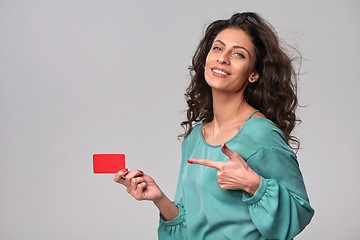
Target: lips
x,y
220,72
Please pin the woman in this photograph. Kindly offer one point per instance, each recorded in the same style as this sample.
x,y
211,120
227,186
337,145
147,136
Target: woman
x,y
239,178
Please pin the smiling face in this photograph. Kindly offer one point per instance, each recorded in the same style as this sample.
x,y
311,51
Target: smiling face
x,y
230,61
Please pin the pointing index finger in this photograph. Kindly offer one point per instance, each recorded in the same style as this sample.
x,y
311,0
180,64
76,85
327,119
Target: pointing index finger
x,y
205,162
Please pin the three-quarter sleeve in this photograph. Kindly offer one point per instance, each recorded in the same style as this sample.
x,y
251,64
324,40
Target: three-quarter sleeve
x,y
280,207
175,229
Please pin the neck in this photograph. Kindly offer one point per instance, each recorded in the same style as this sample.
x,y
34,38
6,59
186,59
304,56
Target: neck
x,y
228,108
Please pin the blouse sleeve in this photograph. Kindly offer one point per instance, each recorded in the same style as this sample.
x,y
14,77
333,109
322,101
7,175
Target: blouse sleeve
x,y
176,228
280,207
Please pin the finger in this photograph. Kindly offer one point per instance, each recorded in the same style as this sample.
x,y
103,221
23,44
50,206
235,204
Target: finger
x,y
139,190
119,176
141,187
206,162
131,175
132,187
232,155
228,152
134,183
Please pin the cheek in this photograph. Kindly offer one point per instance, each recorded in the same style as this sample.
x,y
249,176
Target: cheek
x,y
207,61
207,73
243,71
211,57
207,70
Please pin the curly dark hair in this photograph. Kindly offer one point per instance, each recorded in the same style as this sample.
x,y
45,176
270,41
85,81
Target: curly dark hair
x,y
274,94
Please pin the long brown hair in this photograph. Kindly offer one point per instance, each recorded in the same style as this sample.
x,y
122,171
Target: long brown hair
x,y
274,94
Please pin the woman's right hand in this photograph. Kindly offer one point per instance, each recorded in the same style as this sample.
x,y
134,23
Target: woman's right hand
x,y
143,187
139,185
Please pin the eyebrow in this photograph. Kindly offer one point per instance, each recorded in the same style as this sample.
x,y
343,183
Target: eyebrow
x,y
234,46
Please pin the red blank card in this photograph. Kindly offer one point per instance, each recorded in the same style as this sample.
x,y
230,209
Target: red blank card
x,y
108,163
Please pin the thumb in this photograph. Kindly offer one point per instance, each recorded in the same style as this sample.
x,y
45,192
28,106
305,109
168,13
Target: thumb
x,y
232,155
228,152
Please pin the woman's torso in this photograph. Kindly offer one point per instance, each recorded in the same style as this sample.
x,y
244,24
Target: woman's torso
x,y
214,213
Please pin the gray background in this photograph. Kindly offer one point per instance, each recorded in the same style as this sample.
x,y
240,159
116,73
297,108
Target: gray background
x,y
84,77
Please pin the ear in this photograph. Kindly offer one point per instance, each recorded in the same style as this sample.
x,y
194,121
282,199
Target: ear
x,y
253,77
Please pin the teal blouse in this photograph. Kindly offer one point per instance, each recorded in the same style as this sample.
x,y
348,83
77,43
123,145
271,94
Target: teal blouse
x,y
279,209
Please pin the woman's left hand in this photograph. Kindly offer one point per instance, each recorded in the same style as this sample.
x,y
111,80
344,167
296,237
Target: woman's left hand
x,y
234,174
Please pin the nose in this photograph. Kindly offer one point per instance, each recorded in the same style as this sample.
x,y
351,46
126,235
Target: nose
x,y
223,59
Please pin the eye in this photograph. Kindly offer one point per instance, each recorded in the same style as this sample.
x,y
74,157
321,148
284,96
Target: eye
x,y
240,55
216,48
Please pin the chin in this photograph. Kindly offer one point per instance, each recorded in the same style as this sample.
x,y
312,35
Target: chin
x,y
219,84
220,87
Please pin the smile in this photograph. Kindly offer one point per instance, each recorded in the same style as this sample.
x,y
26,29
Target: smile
x,y
218,71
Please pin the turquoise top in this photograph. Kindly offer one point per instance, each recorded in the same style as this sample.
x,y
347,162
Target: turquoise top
x,y
279,209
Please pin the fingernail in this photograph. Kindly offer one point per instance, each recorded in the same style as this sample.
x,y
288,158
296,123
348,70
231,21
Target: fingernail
x,y
141,172
190,161
125,170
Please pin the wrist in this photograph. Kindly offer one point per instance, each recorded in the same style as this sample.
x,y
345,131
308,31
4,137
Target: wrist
x,y
254,186
168,209
159,199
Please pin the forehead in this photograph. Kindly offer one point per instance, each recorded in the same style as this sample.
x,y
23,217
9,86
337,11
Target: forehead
x,y
235,37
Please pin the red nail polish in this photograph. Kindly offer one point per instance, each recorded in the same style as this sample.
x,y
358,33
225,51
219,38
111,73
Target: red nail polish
x,y
125,170
142,172
190,161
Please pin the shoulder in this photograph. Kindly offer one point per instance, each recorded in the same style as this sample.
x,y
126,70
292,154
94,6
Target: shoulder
x,y
195,131
258,115
194,135
264,133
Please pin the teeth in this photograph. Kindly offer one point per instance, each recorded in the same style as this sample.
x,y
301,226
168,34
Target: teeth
x,y
220,72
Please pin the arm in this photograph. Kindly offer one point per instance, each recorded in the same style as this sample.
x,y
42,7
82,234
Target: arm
x,y
280,207
143,187
272,187
167,209
172,215
176,227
